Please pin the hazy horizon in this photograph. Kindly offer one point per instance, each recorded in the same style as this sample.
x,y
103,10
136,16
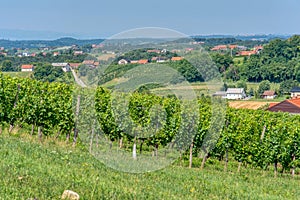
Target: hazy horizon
x,y
50,19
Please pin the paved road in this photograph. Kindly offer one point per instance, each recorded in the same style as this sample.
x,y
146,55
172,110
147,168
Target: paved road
x,y
78,80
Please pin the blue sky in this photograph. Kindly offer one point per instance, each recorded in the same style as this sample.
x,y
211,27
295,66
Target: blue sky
x,y
96,18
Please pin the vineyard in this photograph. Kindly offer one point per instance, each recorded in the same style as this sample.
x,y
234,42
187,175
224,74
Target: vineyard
x,y
255,138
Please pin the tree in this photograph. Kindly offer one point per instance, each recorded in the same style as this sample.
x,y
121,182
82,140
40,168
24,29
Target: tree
x,y
222,61
6,66
48,73
242,84
287,85
263,86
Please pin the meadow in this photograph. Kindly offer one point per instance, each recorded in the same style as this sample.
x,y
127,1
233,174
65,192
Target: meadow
x,y
30,169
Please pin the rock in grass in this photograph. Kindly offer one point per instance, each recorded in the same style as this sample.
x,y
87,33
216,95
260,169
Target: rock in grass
x,y
70,195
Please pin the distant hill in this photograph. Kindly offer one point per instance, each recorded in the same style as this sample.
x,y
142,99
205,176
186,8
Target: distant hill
x,y
68,41
260,37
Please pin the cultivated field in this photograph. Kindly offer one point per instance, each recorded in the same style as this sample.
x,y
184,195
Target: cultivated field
x,y
248,104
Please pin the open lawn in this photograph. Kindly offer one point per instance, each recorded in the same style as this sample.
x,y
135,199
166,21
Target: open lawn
x,y
19,74
30,169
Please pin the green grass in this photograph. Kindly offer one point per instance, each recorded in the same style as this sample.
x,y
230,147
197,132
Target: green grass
x,y
29,169
19,74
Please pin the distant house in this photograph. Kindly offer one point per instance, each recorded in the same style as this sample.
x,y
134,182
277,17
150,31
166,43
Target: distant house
x,y
158,59
88,62
189,49
233,46
97,63
123,62
154,59
64,66
295,92
290,106
74,65
76,53
27,68
153,51
246,53
176,58
56,53
256,50
161,60
134,62
235,93
143,61
219,47
269,94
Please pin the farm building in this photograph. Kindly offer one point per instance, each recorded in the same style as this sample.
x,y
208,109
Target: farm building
x,y
74,65
123,62
176,58
269,94
235,93
295,92
143,61
65,66
27,68
290,105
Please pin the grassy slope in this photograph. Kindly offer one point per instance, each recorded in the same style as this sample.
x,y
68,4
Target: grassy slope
x,y
19,74
29,169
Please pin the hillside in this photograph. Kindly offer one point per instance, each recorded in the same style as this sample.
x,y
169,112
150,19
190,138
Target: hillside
x,y
43,171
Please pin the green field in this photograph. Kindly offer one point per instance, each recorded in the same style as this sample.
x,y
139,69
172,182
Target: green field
x,y
32,170
19,74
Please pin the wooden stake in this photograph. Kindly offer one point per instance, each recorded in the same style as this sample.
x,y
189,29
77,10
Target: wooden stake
x,y
239,167
40,135
293,169
191,154
76,120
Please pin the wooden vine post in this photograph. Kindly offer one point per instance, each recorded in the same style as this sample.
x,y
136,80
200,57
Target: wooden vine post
x,y
76,121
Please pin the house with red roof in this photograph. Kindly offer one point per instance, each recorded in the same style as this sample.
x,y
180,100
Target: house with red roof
x,y
176,58
290,105
74,65
219,47
143,61
27,68
269,94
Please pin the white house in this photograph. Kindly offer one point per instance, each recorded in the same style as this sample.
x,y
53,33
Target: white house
x,y
27,68
295,92
65,66
269,94
123,62
235,93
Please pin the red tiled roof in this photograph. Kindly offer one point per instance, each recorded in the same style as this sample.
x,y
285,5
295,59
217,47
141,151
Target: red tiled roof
x,y
74,64
295,102
247,53
233,46
272,104
144,61
269,93
27,66
88,62
219,47
153,51
176,58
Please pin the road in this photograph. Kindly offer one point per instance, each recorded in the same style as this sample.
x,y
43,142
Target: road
x,y
78,80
